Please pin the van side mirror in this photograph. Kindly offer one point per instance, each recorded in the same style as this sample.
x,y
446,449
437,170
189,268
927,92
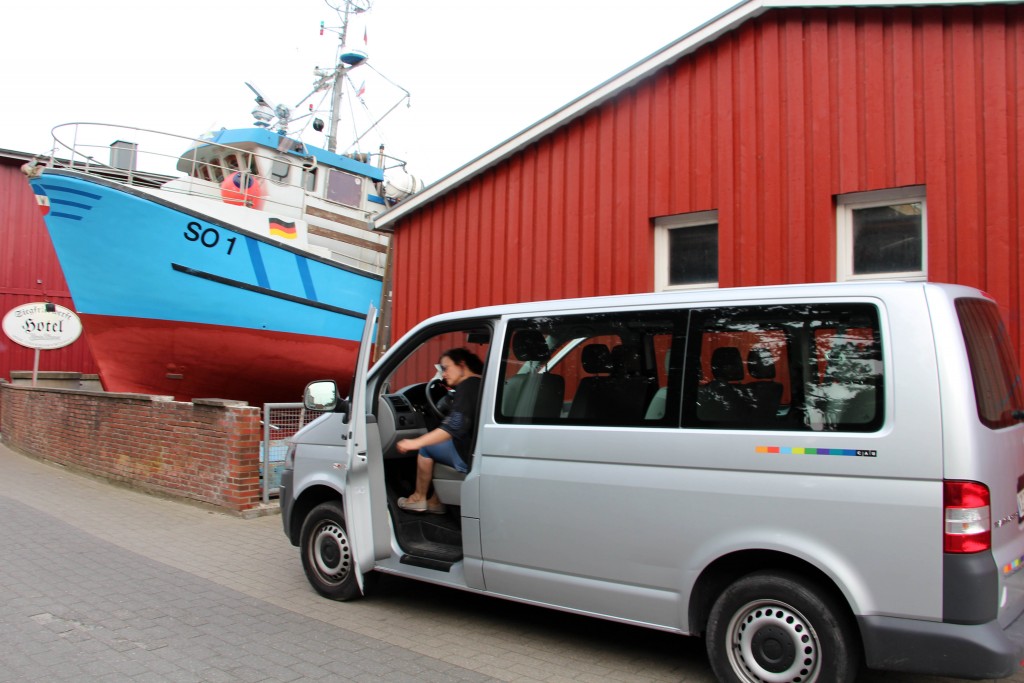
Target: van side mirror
x,y
321,395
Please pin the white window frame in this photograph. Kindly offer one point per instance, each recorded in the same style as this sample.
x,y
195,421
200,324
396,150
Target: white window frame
x,y
662,226
845,206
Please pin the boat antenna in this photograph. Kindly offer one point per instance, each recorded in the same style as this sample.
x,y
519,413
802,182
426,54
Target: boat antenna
x,y
346,60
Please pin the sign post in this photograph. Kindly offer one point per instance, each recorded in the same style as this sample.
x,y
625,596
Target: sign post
x,y
41,326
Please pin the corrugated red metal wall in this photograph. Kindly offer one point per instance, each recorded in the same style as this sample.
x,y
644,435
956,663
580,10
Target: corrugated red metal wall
x,y
29,271
767,125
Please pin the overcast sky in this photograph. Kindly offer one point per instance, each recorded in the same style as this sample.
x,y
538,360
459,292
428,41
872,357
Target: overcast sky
x,y
479,71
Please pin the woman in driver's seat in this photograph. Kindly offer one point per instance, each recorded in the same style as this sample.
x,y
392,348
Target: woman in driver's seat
x,y
451,442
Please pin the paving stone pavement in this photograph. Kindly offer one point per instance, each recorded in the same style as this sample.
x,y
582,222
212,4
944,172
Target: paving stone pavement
x,y
103,583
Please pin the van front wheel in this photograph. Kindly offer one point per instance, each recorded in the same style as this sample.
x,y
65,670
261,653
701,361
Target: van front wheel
x,y
776,628
327,554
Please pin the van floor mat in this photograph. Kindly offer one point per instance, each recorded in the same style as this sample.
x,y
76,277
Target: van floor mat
x,y
432,538
436,552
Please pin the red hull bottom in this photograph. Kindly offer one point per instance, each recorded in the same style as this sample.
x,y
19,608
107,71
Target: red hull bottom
x,y
188,360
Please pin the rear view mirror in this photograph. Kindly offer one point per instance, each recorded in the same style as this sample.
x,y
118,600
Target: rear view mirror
x,y
321,395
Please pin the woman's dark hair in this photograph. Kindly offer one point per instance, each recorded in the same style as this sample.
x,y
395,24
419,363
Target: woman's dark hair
x,y
461,355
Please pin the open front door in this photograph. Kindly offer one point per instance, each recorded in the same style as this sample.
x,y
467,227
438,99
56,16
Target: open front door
x,y
358,508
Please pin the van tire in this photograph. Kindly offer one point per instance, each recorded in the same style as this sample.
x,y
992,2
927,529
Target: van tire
x,y
779,627
327,556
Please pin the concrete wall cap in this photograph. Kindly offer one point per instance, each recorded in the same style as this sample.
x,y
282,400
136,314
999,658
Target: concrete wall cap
x,y
225,402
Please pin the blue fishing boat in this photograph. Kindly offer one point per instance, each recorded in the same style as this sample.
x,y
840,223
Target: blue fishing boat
x,y
237,265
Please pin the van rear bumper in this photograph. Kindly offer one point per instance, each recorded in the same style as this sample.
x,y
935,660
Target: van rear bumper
x,y
927,647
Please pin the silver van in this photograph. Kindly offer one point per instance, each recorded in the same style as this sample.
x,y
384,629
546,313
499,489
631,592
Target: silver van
x,y
811,477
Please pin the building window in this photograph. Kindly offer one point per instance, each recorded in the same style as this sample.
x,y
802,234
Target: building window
x,y
686,251
882,234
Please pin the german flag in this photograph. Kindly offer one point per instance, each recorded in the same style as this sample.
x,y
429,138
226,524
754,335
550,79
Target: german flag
x,y
282,228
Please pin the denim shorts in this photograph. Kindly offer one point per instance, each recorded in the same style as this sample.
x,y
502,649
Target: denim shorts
x,y
445,453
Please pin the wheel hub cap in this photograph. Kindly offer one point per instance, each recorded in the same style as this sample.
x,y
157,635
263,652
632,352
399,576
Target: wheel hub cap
x,y
773,643
331,553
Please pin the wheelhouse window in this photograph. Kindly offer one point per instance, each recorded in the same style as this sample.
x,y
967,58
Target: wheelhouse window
x,y
686,251
344,188
279,170
882,234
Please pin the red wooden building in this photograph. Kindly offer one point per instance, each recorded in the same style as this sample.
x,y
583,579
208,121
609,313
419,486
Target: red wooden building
x,y
782,142
29,271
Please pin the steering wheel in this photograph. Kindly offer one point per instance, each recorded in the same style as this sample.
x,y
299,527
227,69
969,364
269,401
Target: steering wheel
x,y
439,399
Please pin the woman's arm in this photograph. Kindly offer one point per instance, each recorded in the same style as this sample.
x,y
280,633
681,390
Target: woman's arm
x,y
429,439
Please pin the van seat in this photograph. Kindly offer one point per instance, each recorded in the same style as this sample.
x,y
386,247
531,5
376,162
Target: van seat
x,y
764,392
448,484
596,359
535,392
656,408
619,397
722,399
848,393
631,388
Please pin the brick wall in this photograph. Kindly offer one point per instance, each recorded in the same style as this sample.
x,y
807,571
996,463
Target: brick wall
x,y
207,450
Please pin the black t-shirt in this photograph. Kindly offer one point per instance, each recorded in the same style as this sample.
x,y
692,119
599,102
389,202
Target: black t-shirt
x,y
461,421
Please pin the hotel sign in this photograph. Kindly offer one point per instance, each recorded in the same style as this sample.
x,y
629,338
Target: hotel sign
x,y
42,325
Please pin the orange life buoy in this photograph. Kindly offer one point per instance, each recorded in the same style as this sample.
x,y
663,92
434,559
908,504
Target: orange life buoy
x,y
242,190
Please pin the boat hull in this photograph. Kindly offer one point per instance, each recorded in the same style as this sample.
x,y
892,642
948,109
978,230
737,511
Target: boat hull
x,y
190,361
177,302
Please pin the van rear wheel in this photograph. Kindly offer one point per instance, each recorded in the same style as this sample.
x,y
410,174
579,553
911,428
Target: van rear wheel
x,y
778,628
327,554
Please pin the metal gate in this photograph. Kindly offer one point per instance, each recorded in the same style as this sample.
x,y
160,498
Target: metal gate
x,y
280,422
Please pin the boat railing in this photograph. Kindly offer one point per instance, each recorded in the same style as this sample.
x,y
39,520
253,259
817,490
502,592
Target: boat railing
x,y
155,159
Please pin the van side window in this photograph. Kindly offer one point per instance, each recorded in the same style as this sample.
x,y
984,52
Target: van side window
x,y
795,367
601,369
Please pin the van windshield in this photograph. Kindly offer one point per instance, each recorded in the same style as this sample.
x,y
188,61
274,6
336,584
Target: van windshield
x,y
997,385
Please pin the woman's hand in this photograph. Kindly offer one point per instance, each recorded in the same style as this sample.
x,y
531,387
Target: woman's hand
x,y
428,439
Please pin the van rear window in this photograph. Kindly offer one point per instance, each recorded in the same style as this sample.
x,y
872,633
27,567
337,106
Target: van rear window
x,y
997,384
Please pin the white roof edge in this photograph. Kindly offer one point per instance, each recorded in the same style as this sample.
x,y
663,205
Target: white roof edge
x,y
700,36
803,290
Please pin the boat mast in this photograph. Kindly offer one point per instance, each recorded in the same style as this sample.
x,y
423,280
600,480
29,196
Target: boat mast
x,y
344,62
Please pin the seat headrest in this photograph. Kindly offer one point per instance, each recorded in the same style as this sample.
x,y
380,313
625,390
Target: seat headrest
x,y
625,361
530,345
596,358
727,364
760,363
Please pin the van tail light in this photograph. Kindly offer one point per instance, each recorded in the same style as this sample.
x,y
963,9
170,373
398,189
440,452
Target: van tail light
x,y
968,517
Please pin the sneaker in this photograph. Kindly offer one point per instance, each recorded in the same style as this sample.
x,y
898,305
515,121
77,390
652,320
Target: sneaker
x,y
418,506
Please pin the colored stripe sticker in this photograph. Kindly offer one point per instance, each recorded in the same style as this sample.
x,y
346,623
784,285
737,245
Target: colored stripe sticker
x,y
48,189
58,188
307,279
803,450
75,205
257,262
